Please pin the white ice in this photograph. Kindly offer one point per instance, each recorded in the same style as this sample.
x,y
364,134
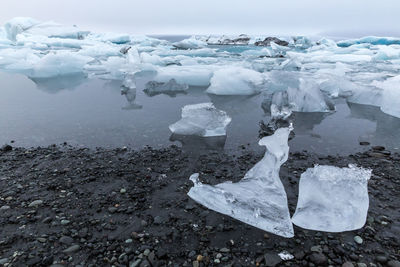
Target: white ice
x,y
259,199
390,96
333,199
236,81
190,43
202,120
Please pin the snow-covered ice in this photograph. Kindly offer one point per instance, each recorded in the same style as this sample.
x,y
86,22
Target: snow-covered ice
x,y
333,199
259,199
202,120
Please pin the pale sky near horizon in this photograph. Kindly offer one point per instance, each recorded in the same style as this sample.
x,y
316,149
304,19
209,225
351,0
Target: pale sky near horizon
x,y
281,17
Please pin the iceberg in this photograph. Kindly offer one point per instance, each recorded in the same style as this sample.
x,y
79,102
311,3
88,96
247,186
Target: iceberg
x,y
58,64
259,199
191,43
236,81
190,75
374,40
267,42
333,199
18,25
202,120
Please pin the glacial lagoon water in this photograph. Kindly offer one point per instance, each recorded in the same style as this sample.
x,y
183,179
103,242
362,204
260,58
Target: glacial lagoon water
x,y
94,113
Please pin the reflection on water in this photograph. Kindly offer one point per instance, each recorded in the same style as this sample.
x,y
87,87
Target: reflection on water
x,y
198,144
92,112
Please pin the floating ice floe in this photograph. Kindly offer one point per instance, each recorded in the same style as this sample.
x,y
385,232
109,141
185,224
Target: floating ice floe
x,y
390,96
333,199
259,199
374,40
236,81
202,120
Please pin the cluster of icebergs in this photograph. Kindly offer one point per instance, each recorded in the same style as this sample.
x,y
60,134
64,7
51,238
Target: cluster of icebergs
x,y
299,71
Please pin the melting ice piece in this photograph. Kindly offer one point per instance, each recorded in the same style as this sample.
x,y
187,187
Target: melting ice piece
x,y
236,81
202,120
259,199
333,199
390,96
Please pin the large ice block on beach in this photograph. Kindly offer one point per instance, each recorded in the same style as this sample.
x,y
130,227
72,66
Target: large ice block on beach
x,y
259,199
333,199
202,120
236,81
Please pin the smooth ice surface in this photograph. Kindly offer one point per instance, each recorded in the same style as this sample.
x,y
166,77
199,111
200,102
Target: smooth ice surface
x,y
259,199
202,120
333,199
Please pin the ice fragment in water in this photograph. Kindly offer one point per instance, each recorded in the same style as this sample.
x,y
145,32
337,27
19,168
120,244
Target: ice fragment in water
x,y
236,81
171,87
333,199
191,43
259,199
202,120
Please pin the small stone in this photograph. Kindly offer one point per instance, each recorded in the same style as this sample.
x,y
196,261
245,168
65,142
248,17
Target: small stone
x,y
272,259
135,263
41,240
361,264
66,240
199,258
112,209
318,258
381,259
6,148
123,258
128,241
316,249
72,249
146,252
64,222
393,263
218,256
364,143
217,261
3,261
347,264
36,203
122,191
196,264
225,250
5,207
378,148
358,239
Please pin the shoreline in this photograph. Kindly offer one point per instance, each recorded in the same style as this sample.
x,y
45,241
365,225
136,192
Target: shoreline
x,y
69,206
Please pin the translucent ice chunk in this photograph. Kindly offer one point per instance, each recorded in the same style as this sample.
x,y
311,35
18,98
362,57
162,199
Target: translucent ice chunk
x,y
202,120
333,199
259,199
390,96
18,25
236,81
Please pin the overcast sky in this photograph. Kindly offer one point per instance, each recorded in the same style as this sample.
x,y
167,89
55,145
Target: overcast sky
x,y
284,17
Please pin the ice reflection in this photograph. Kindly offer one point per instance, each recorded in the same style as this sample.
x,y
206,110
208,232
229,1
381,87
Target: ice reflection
x,y
197,144
130,95
57,84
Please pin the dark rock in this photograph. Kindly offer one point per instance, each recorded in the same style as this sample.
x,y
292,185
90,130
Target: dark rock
x,y
267,42
272,259
318,259
66,240
6,148
393,263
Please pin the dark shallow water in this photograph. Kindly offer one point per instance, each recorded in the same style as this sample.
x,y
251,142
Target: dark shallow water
x,y
93,113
